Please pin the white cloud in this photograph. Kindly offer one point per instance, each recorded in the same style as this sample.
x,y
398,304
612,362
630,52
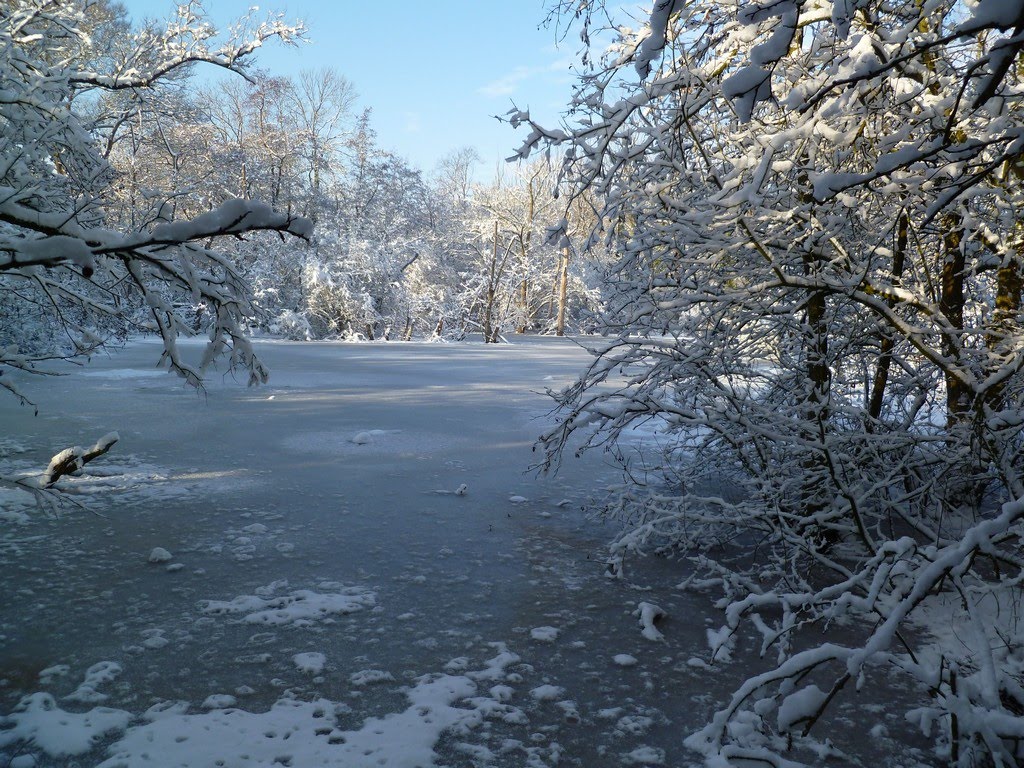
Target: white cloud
x,y
510,83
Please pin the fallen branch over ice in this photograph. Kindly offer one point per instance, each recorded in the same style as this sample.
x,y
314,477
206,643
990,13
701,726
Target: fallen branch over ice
x,y
650,614
71,460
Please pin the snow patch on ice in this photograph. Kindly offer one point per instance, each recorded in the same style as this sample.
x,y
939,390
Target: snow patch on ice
x,y
38,720
644,755
370,677
299,608
301,733
14,503
219,701
494,669
95,676
154,639
544,634
310,662
547,692
47,675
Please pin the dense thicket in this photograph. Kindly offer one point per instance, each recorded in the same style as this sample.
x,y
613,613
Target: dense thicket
x,y
818,304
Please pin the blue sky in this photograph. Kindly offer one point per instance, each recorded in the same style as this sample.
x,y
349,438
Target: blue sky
x,y
433,71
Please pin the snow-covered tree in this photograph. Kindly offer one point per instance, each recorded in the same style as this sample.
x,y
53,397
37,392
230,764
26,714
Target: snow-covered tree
x,y
818,304
75,264
516,271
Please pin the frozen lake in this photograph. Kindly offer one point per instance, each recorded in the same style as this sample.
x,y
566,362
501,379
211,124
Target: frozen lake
x,y
326,598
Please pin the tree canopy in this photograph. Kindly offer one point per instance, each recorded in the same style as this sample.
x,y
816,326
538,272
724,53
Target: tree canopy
x,y
818,304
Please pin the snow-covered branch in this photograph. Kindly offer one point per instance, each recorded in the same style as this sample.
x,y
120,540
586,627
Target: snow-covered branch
x,y
72,267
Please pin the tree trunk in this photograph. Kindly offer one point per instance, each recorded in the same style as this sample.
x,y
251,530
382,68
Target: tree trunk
x,y
489,304
815,493
1005,322
881,380
562,289
524,306
951,305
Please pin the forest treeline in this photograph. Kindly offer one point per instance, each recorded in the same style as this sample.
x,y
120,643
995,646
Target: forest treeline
x,y
393,252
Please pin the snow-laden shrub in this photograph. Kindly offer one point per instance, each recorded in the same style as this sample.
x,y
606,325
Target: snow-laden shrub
x,y
292,325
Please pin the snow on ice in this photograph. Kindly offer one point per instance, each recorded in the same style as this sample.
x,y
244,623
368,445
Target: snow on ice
x,y
299,608
159,555
38,719
310,662
97,675
370,676
306,733
544,634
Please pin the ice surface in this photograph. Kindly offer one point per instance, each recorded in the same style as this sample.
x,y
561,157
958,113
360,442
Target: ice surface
x,y
294,540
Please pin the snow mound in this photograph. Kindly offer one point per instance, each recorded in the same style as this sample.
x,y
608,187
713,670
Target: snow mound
x,y
544,634
547,692
219,701
300,608
311,663
363,438
624,660
370,676
159,555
